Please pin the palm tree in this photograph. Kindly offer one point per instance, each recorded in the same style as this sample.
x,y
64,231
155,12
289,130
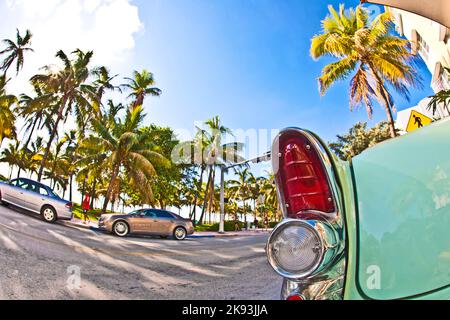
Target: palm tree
x,y
90,166
194,156
69,85
241,188
102,83
16,51
34,156
440,98
271,202
256,191
91,162
216,154
36,112
369,52
71,155
126,150
12,156
141,85
7,118
61,156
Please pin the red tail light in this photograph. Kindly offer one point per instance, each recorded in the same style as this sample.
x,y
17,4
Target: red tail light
x,y
69,205
302,177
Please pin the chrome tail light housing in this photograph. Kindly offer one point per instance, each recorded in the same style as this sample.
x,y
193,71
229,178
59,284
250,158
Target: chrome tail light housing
x,y
308,248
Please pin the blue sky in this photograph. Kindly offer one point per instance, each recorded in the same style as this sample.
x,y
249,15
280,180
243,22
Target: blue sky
x,y
246,61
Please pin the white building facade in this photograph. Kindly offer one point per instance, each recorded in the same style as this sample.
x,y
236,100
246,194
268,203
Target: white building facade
x,y
430,40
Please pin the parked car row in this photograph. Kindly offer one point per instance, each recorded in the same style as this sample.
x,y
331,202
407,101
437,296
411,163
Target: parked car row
x,y
35,197
147,221
39,198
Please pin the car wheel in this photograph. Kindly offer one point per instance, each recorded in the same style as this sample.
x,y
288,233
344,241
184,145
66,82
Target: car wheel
x,y
180,233
121,229
49,214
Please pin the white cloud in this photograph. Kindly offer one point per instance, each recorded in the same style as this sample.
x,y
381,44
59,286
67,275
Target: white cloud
x,y
106,26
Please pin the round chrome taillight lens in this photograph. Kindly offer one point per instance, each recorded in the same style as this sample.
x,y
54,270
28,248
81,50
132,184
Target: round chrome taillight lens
x,y
295,249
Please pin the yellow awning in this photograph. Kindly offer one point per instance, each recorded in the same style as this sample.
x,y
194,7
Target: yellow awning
x,y
437,10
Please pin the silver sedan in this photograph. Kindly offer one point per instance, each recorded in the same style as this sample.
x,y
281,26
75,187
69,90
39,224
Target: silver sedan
x,y
36,197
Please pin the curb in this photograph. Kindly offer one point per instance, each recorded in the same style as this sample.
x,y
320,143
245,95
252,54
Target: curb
x,y
76,225
218,235
197,235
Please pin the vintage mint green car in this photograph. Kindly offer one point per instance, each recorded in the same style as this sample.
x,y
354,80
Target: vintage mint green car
x,y
375,228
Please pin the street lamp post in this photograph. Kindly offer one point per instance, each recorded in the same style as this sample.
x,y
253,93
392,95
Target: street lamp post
x,y
222,199
223,169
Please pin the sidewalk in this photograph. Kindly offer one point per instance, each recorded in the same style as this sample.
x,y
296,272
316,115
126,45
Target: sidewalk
x,y
229,234
78,224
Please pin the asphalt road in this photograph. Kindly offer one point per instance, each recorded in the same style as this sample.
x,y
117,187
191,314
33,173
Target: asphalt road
x,y
43,261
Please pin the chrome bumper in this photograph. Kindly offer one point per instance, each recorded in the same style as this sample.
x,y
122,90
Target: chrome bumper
x,y
329,286
65,214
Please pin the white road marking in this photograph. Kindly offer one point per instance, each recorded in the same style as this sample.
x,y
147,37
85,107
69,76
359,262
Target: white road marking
x,y
9,244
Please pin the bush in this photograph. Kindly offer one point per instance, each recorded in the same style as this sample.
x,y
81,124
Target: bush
x,y
229,226
271,224
94,215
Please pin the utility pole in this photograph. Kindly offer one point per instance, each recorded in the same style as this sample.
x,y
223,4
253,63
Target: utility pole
x,y
223,169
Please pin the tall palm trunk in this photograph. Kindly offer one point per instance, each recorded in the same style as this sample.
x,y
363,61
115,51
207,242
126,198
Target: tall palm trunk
x,y
70,188
111,184
389,116
194,210
10,172
83,189
52,172
211,195
205,200
25,146
384,97
50,141
94,185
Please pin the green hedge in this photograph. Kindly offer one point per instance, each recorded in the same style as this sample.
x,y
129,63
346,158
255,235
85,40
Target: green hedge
x,y
271,225
229,226
94,215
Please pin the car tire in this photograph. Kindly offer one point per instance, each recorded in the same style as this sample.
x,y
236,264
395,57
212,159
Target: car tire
x,y
179,233
49,214
121,229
